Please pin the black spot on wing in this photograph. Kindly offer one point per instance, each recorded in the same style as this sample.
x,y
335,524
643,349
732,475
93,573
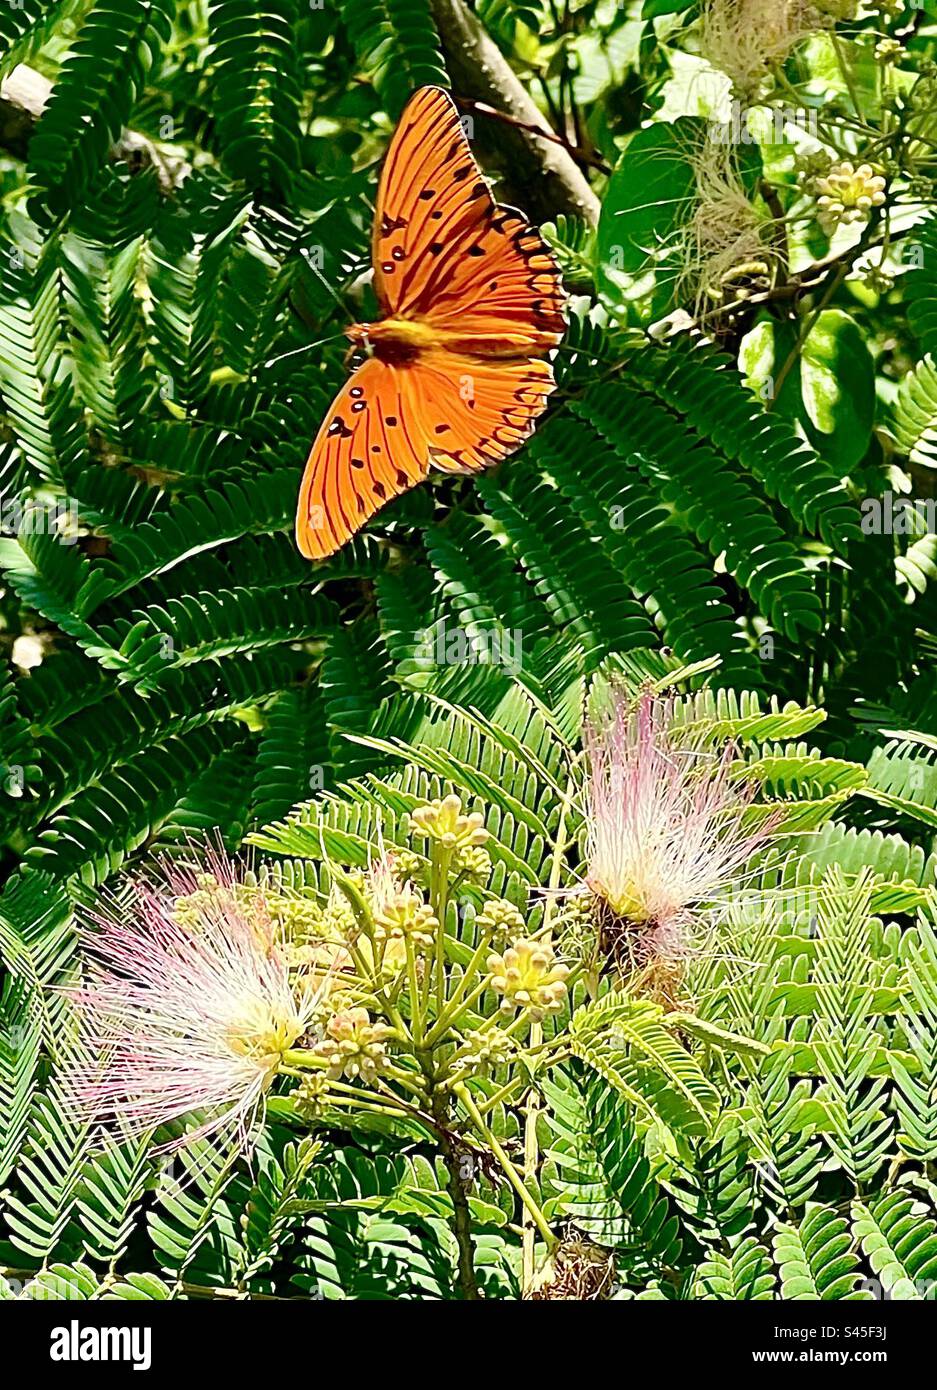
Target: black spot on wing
x,y
389,224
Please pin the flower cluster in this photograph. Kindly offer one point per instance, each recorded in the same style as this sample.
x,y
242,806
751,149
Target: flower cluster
x,y
354,1046
528,976
287,917
484,1050
847,194
461,837
501,921
444,822
665,818
404,915
185,1011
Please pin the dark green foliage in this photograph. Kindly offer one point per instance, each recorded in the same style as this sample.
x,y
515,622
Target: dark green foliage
x,y
114,54
256,89
396,40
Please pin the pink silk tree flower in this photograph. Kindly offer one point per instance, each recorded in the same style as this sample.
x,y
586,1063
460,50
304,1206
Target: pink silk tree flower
x,y
665,814
187,1008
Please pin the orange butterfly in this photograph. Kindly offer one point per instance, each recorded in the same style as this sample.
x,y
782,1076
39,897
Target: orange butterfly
x,y
471,300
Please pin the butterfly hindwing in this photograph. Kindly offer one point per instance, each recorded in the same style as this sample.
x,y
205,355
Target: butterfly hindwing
x,y
388,425
363,455
473,413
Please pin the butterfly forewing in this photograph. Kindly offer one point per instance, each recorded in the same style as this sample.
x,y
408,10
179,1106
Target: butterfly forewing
x,y
445,251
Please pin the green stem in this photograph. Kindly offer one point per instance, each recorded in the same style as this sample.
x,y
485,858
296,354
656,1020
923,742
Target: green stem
x,y
439,896
451,1012
804,333
510,1171
531,1144
531,1158
458,1000
846,70
416,1003
500,1095
461,1216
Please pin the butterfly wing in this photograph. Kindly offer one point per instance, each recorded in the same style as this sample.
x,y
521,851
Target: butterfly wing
x,y
388,424
353,468
444,251
473,413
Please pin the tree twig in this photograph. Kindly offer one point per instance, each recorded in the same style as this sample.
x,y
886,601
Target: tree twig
x,y
24,95
539,166
580,155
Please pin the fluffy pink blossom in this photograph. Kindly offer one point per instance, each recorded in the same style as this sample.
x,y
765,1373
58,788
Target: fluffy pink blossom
x,y
664,819
184,1015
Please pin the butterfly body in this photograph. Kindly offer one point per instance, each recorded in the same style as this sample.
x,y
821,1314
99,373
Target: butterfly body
x,y
394,340
401,340
454,374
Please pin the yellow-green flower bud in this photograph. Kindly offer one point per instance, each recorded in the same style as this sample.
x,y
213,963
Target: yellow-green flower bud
x,y
410,867
311,1097
354,1046
326,965
848,194
501,920
487,1051
444,822
528,976
191,909
888,50
406,916
338,917
472,862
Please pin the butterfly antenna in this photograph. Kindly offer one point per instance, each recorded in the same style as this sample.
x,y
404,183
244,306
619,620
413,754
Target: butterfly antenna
x,y
310,262
306,347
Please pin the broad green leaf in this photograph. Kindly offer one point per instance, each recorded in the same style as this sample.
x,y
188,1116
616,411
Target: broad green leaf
x,y
837,377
